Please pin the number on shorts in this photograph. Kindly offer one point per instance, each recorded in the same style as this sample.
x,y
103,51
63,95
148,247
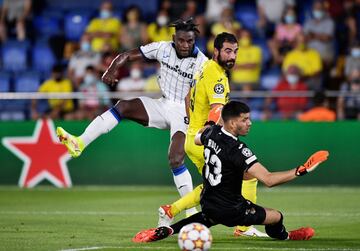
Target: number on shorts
x,y
213,161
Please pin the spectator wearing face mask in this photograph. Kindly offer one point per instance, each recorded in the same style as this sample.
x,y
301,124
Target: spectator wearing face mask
x,y
104,29
58,108
135,82
352,62
159,30
246,72
320,32
348,107
284,39
81,59
289,107
308,60
96,100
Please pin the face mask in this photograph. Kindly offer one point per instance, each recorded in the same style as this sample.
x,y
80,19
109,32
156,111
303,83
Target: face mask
x,y
292,79
318,14
289,19
355,52
104,14
85,46
89,79
244,42
135,73
162,20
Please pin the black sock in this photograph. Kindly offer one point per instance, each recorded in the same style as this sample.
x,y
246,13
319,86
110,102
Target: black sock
x,y
277,230
198,217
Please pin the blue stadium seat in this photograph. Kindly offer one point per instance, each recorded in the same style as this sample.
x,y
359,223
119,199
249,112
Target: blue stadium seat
x,y
4,82
47,25
15,56
269,79
248,17
27,82
75,24
43,58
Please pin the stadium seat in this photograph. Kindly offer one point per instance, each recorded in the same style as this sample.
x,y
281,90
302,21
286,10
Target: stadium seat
x,y
75,24
43,58
15,56
47,25
4,82
27,82
248,17
270,78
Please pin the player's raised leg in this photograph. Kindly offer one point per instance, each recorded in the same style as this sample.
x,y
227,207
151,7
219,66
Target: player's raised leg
x,y
104,123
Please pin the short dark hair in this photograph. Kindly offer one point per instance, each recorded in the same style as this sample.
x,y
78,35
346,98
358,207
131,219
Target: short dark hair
x,y
90,68
222,38
57,68
185,25
319,98
233,109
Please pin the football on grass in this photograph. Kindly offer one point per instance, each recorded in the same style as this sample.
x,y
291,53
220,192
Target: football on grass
x,y
195,237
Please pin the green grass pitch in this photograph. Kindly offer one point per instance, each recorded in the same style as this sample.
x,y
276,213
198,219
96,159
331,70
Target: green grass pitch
x,y
106,218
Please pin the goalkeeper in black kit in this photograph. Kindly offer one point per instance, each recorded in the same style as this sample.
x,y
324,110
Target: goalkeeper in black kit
x,y
227,162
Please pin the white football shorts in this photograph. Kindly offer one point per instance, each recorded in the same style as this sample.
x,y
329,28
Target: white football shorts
x,y
165,114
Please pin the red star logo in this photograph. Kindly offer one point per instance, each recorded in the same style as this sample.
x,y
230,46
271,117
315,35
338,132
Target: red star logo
x,y
44,157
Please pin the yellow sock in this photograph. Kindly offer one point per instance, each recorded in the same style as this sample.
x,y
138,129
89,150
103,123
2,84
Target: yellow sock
x,y
249,191
190,200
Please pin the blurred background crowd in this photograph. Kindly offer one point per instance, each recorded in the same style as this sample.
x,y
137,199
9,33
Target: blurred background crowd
x,y
284,45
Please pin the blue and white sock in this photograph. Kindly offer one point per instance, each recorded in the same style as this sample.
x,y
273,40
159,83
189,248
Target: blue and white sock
x,y
100,125
184,185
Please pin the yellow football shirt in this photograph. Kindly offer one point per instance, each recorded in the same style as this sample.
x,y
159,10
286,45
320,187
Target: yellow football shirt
x,y
157,34
62,86
211,87
309,61
109,25
247,55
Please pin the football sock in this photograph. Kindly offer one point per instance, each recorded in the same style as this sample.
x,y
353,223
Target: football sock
x,y
249,190
198,217
277,230
183,182
190,200
100,125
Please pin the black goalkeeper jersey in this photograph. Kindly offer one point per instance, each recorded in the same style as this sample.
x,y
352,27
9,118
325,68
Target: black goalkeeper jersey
x,y
226,160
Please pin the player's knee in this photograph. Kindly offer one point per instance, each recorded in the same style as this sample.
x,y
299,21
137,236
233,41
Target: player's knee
x,y
123,107
176,160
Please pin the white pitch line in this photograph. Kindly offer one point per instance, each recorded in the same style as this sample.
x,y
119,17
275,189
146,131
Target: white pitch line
x,y
215,248
97,213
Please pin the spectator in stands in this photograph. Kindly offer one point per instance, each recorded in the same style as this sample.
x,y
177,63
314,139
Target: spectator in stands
x,y
134,31
58,108
289,107
246,72
104,29
348,107
308,60
152,84
214,8
227,24
320,32
159,30
81,59
135,82
353,60
320,110
270,14
284,39
96,100
14,13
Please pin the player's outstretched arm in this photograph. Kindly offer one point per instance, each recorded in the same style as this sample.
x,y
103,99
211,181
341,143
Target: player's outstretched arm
x,y
271,179
110,75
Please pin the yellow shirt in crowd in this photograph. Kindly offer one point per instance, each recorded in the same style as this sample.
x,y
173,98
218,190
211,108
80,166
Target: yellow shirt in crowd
x,y
247,55
63,86
109,25
309,61
211,87
157,34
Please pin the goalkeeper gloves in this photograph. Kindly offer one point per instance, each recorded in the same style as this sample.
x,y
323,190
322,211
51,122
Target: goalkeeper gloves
x,y
312,163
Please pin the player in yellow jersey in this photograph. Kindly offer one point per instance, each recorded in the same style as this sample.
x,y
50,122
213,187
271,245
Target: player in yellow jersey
x,y
207,96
